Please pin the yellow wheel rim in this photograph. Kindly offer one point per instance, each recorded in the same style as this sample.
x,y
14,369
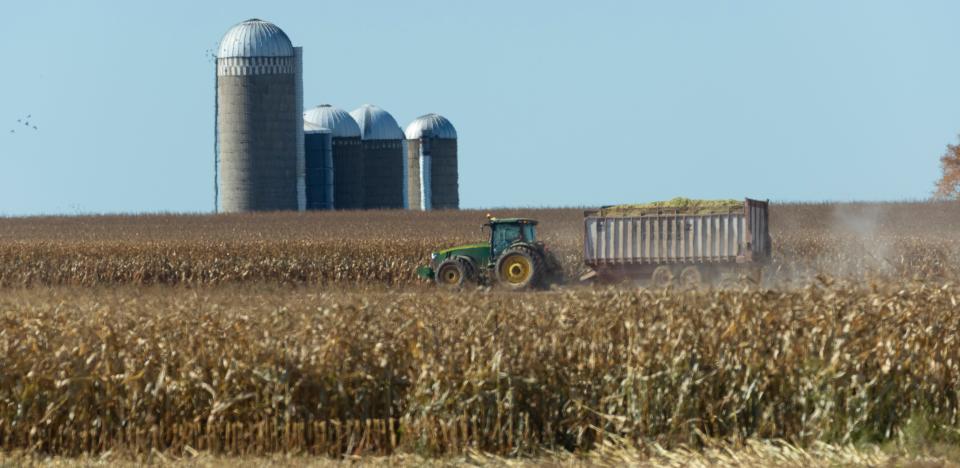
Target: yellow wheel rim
x,y
450,276
516,269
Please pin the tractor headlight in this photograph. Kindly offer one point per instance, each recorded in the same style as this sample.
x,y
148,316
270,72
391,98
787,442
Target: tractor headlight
x,y
434,256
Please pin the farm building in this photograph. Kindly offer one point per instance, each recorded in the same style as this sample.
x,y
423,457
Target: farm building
x,y
318,167
432,178
347,154
259,129
382,143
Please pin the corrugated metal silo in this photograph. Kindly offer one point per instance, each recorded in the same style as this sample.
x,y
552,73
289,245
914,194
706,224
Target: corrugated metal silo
x,y
347,154
318,167
258,119
432,175
382,142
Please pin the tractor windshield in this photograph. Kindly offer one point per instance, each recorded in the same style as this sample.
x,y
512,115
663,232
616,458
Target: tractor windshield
x,y
503,236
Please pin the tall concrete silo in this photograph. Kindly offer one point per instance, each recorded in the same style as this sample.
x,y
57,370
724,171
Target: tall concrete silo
x,y
347,155
432,176
318,167
383,165
259,125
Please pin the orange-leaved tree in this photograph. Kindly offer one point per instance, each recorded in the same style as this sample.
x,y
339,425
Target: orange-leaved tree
x,y
949,184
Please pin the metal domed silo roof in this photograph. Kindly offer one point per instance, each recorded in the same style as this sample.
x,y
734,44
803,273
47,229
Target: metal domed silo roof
x,y
376,123
433,124
255,38
340,123
314,128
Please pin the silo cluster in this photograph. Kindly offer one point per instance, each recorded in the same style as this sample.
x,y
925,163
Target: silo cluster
x,y
273,156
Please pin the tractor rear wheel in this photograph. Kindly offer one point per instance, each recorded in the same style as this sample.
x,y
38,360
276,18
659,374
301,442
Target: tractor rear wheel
x,y
454,273
520,268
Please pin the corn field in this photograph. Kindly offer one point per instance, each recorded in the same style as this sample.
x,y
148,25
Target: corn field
x,y
286,333
856,241
286,369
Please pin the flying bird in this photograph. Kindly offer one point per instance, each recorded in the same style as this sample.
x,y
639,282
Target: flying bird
x,y
19,121
34,127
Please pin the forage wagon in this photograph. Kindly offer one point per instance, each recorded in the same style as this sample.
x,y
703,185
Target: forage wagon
x,y
679,241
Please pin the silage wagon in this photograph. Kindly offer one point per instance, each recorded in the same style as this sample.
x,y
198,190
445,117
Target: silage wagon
x,y
686,244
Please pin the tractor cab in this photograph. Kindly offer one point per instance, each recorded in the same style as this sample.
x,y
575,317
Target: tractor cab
x,y
508,231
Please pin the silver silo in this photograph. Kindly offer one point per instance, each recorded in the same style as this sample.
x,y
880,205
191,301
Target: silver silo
x,y
258,119
383,165
432,175
347,154
318,167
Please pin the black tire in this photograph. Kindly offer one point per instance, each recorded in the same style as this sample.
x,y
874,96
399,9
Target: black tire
x,y
662,277
730,279
742,277
520,268
451,273
554,269
470,270
690,277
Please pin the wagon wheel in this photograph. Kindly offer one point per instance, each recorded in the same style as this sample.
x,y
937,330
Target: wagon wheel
x,y
662,277
755,276
729,281
690,277
740,278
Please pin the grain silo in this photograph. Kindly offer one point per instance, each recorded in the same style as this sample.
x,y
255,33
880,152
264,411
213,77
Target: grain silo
x,y
347,154
383,165
432,176
318,167
258,119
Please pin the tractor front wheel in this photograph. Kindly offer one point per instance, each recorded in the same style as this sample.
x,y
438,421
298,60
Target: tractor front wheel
x,y
454,273
520,268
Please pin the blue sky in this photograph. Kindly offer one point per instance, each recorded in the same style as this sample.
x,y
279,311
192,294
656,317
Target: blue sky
x,y
556,103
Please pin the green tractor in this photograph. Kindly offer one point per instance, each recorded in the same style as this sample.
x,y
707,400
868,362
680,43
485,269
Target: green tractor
x,y
513,258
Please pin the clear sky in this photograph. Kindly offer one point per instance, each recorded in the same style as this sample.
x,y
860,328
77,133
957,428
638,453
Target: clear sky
x,y
556,103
